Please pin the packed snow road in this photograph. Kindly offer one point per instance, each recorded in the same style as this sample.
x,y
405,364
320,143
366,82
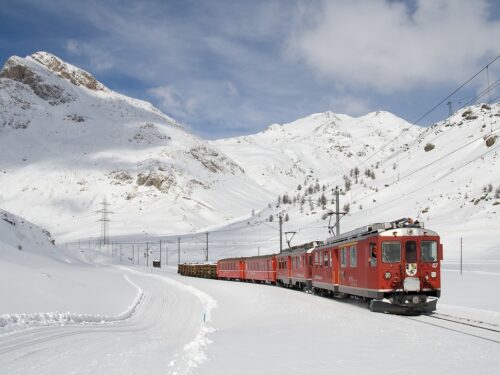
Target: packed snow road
x,y
249,329
165,334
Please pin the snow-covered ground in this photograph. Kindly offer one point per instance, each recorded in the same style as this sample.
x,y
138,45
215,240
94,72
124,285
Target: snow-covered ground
x,y
67,141
171,324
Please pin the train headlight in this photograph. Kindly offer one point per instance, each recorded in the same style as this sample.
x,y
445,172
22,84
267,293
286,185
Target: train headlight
x,y
387,275
433,274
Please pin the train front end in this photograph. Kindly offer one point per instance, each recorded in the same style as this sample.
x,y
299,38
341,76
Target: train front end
x,y
409,272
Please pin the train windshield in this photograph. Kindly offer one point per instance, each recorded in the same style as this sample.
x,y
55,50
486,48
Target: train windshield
x,y
411,251
391,252
429,251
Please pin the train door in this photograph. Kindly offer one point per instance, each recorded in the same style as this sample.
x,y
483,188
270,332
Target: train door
x,y
242,270
335,268
410,259
342,264
411,282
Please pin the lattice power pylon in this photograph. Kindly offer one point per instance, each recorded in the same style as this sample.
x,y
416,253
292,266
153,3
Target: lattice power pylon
x,y
104,221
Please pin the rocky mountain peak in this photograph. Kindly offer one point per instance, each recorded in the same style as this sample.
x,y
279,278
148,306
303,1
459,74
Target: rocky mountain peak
x,y
23,71
76,76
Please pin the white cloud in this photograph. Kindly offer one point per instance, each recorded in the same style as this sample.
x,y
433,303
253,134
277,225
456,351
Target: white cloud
x,y
388,47
174,101
351,105
99,59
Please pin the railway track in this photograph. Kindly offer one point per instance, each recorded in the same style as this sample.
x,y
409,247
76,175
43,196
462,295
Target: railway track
x,y
474,328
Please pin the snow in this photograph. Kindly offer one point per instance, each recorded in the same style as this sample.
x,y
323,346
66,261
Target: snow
x,y
75,309
161,322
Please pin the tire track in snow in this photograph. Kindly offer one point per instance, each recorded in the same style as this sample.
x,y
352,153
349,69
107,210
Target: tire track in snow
x,y
194,352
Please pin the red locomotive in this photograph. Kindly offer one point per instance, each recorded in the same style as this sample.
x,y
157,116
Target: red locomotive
x,y
395,265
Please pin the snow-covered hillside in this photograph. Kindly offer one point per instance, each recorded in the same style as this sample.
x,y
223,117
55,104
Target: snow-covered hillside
x,y
38,277
446,175
67,142
323,145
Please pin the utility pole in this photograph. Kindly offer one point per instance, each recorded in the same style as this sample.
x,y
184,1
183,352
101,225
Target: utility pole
x,y
178,250
206,259
160,253
104,221
337,211
147,254
133,255
450,109
281,232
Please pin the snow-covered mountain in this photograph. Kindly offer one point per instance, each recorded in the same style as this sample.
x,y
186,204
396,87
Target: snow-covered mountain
x,y
67,142
446,175
323,146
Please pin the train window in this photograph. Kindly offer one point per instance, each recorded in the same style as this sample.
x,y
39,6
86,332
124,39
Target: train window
x,y
429,251
316,259
411,251
372,254
354,256
391,252
343,257
325,259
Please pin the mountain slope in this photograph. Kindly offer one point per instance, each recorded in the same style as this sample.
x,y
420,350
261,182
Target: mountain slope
x,y
446,175
67,141
323,145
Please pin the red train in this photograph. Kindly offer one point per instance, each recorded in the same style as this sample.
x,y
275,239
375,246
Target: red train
x,y
395,265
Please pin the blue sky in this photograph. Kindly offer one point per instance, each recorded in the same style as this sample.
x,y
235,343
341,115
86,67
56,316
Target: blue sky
x,y
226,68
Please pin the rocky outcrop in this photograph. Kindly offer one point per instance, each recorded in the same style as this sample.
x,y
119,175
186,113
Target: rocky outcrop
x,y
214,161
159,180
76,76
16,70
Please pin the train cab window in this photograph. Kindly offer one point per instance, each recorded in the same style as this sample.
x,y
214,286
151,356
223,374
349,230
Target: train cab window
x,y
343,257
354,256
429,251
411,251
391,252
316,259
325,260
372,256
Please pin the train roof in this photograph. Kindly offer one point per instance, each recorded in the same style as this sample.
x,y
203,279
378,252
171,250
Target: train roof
x,y
246,258
307,247
396,226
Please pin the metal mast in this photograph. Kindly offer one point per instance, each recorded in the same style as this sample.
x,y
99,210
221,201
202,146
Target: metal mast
x,y
104,221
